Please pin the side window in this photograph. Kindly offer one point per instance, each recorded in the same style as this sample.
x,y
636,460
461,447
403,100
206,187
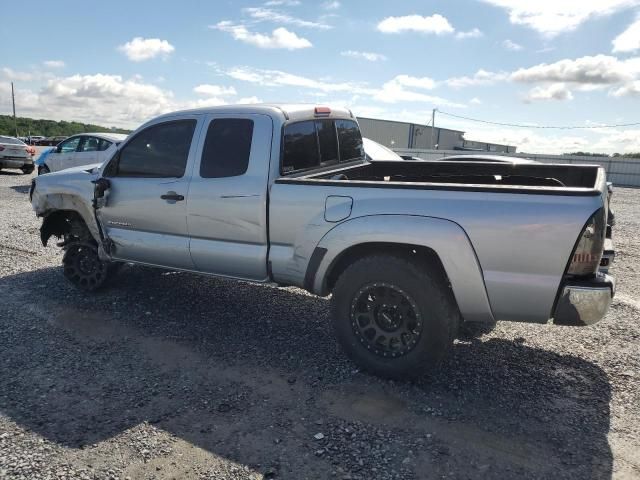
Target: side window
x,y
350,140
158,151
103,144
89,144
327,141
69,145
227,148
300,147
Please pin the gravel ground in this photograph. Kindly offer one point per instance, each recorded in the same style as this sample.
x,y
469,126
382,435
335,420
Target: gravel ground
x,y
171,375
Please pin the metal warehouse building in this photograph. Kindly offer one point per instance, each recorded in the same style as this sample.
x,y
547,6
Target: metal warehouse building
x,y
412,135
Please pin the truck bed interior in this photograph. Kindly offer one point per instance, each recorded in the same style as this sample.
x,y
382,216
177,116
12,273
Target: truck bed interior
x,y
467,173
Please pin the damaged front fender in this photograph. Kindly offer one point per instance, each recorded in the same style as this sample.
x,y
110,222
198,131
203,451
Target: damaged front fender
x,y
62,198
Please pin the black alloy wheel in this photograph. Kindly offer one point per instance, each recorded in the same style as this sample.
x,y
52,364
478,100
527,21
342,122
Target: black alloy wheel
x,y
386,320
83,267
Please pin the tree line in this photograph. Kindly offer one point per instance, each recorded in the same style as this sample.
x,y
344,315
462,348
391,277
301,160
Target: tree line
x,y
49,128
616,155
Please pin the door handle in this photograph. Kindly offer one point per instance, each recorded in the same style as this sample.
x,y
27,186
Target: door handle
x,y
172,196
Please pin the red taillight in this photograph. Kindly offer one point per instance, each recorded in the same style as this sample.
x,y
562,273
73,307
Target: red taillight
x,y
588,251
1,148
323,111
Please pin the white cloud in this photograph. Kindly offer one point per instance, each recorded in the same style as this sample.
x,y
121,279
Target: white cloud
x,y
555,91
108,99
552,17
623,141
425,83
214,90
511,45
269,15
249,100
481,77
534,141
630,88
475,101
53,63
530,140
277,78
204,102
473,33
140,49
436,24
102,99
369,56
629,40
393,91
599,69
584,74
331,5
16,76
286,3
279,38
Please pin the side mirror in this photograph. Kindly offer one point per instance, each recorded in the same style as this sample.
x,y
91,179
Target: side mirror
x,y
101,185
59,149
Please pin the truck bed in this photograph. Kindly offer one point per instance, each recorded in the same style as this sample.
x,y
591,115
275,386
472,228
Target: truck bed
x,y
524,178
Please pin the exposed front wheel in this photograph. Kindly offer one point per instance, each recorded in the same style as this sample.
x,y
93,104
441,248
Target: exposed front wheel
x,y
83,267
394,318
43,169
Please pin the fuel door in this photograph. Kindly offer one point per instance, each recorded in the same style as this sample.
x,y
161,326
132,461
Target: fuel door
x,y
337,208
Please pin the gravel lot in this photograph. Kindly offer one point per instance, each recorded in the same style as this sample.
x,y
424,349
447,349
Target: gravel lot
x,y
171,375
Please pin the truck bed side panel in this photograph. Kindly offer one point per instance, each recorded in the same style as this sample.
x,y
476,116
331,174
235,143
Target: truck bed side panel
x,y
522,241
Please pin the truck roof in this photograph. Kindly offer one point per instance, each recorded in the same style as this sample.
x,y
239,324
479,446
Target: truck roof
x,y
288,111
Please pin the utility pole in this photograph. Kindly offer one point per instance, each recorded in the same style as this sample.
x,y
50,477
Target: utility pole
x,y
13,100
433,125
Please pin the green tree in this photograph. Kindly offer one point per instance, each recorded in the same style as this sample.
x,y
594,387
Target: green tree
x,y
49,128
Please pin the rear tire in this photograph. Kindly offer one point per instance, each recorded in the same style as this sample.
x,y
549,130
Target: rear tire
x,y
393,317
28,170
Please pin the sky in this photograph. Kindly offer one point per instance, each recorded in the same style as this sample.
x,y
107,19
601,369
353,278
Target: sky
x,y
536,63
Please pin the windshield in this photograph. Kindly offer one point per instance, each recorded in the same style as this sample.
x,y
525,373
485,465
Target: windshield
x,y
375,151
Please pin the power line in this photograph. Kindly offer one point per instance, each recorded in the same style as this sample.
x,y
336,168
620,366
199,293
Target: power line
x,y
553,127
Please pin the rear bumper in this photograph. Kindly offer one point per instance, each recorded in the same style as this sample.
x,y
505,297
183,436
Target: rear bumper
x,y
15,162
585,302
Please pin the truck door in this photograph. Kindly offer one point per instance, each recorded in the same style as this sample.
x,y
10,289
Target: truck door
x,y
87,152
145,213
227,204
63,155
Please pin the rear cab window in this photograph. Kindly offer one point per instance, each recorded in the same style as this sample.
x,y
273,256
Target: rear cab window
x,y
317,143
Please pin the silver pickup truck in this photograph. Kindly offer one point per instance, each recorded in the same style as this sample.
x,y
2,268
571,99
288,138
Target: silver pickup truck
x,y
284,194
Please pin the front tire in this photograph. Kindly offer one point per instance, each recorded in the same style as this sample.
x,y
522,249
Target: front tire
x,y
393,317
83,267
43,169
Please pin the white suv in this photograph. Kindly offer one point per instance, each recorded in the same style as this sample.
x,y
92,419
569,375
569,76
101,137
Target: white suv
x,y
82,149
